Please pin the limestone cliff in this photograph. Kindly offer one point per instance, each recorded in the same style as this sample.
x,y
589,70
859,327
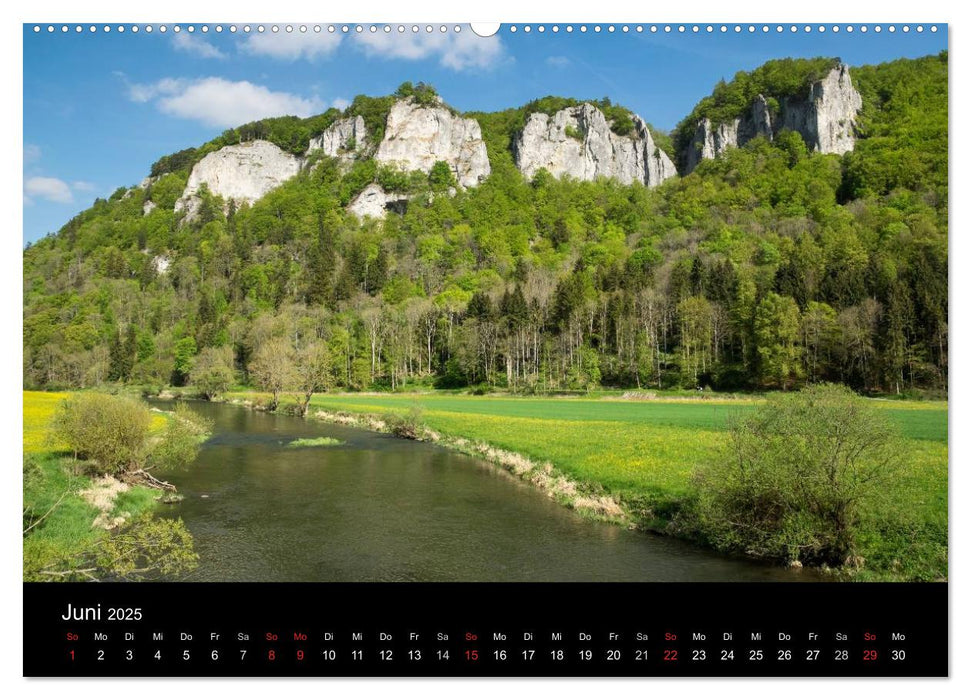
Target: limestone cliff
x,y
825,117
243,172
344,139
577,141
417,136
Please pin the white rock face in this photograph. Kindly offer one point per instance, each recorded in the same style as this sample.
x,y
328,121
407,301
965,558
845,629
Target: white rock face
x,y
592,150
375,202
148,207
759,122
711,141
825,118
161,264
417,136
243,173
343,139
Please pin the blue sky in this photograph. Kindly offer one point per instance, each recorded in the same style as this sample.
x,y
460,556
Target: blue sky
x,y
100,108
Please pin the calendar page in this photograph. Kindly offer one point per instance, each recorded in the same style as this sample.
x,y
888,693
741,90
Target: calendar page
x,y
425,349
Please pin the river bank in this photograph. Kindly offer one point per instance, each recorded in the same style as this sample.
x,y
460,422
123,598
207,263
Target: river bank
x,y
368,506
589,500
631,462
581,497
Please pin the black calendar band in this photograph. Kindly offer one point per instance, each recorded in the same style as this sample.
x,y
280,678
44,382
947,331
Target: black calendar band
x,y
472,629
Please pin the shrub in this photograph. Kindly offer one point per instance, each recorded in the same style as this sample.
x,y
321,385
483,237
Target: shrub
x,y
180,440
422,93
408,425
111,430
147,547
797,477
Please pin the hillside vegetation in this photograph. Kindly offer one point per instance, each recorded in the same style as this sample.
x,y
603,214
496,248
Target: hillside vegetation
x,y
770,267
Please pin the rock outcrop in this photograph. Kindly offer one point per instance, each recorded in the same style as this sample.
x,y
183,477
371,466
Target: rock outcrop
x,y
161,264
374,202
711,140
828,117
825,118
343,139
243,173
417,136
577,141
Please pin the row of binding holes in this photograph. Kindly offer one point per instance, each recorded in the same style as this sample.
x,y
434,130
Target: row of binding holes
x,y
723,28
258,29
428,28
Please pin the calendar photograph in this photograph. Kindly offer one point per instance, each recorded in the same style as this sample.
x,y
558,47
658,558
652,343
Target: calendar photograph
x,y
535,303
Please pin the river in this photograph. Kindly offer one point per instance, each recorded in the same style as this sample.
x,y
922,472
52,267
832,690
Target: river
x,y
378,508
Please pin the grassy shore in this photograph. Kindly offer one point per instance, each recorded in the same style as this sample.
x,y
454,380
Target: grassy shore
x,y
67,511
642,454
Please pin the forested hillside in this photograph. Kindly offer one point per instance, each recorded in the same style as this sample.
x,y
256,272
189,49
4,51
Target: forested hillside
x,y
768,267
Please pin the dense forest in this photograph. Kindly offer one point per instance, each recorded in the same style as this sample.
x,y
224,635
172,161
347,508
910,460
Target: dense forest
x,y
770,267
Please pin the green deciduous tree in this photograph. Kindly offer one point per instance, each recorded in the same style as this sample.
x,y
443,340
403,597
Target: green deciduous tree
x,y
184,355
776,336
273,369
313,370
212,371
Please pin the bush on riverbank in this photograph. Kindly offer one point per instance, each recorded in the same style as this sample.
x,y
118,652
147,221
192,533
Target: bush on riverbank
x,y
798,479
111,430
408,425
179,443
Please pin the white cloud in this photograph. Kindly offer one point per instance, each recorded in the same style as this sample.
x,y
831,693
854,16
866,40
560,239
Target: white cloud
x,y
468,50
82,186
456,50
49,188
222,103
141,92
409,46
196,45
31,153
292,46
557,61
340,103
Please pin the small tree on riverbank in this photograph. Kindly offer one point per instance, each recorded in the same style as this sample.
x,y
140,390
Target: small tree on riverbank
x,y
272,369
212,373
114,434
795,477
313,372
179,443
